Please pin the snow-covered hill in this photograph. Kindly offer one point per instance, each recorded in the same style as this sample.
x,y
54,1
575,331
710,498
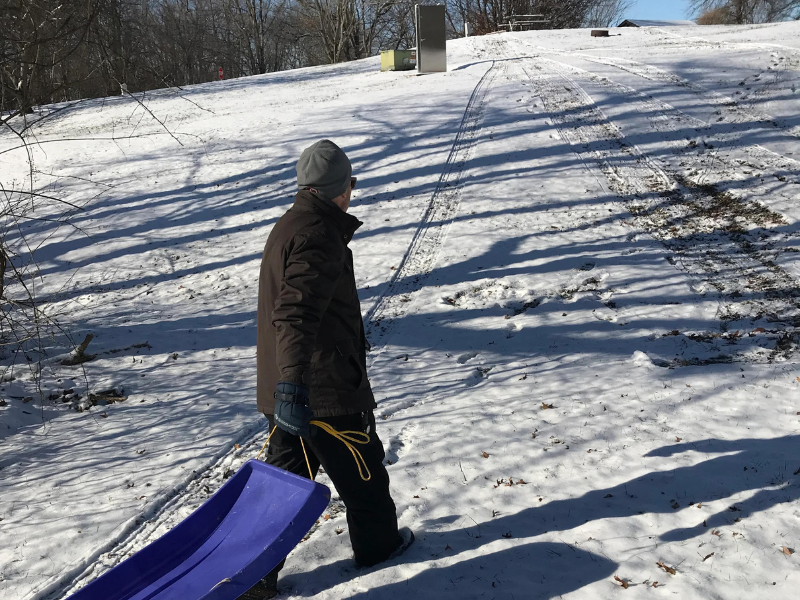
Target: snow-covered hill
x,y
579,271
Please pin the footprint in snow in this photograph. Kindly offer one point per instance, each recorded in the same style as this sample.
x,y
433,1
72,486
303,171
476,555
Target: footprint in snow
x,y
466,357
640,359
478,374
399,444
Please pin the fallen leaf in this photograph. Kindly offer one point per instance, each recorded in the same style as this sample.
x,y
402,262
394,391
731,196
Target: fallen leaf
x,y
236,446
622,582
759,330
716,533
608,496
507,534
524,377
416,496
326,517
699,505
787,551
521,482
485,454
677,439
798,380
448,547
655,584
668,569
707,556
545,406
339,530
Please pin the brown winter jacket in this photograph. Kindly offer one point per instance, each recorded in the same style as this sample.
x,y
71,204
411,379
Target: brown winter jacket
x,y
310,328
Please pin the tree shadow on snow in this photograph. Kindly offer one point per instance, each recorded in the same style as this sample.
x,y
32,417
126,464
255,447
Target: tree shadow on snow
x,y
535,570
766,467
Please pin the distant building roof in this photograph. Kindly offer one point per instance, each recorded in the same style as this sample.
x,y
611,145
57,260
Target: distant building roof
x,y
646,23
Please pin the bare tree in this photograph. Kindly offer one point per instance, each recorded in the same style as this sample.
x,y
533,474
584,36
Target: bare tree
x,y
41,50
607,13
745,11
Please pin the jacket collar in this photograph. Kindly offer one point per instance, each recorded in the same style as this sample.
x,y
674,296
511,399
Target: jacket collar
x,y
309,202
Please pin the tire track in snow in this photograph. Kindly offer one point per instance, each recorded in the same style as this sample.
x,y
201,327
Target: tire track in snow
x,y
719,240
665,118
726,106
393,303
421,255
742,160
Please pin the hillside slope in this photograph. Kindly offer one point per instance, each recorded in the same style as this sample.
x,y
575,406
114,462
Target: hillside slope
x,y
579,272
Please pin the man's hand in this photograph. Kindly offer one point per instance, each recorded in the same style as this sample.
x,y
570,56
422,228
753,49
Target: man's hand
x,y
292,413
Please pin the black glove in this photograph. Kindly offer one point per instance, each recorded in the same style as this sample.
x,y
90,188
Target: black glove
x,y
292,413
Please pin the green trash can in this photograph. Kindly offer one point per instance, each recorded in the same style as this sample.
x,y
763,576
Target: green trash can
x,y
398,60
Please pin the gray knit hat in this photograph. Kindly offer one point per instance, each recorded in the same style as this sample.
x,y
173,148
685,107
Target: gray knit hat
x,y
325,168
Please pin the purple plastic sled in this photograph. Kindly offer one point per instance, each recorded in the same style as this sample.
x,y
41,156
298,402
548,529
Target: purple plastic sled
x,y
223,548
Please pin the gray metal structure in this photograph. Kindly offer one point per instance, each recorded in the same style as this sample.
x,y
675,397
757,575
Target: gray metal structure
x,y
431,38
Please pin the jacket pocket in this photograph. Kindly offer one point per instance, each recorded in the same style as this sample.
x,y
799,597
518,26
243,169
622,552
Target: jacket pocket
x,y
354,375
339,368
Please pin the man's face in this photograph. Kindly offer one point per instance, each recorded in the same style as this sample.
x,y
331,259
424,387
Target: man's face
x,y
346,199
343,201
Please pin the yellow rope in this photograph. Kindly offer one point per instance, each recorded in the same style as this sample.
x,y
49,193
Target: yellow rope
x,y
264,447
348,438
308,464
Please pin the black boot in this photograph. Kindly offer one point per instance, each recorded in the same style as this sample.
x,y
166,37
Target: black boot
x,y
405,539
264,590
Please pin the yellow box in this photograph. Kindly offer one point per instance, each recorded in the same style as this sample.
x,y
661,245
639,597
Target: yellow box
x,y
398,60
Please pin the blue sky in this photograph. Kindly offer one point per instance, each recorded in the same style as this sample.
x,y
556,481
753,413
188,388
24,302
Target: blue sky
x,y
659,9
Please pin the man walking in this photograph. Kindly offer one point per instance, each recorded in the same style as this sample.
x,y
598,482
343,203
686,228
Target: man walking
x,y
312,356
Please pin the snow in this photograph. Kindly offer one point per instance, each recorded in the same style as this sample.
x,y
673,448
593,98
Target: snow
x,y
579,272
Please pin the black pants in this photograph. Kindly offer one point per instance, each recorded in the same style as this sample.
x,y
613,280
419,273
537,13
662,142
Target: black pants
x,y
371,516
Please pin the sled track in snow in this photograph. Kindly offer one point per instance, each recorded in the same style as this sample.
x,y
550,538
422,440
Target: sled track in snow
x,y
727,244
391,305
420,257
